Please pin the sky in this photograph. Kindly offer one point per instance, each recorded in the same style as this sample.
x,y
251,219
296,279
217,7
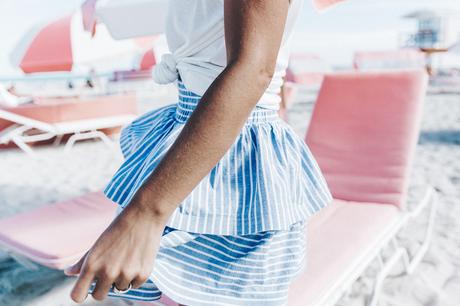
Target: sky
x,y
354,25
361,25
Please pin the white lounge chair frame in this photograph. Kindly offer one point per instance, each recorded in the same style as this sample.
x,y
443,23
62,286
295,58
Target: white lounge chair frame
x,y
400,254
80,130
387,239
12,100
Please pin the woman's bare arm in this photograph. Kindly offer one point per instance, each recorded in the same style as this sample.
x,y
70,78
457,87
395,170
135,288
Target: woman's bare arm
x,y
253,32
125,251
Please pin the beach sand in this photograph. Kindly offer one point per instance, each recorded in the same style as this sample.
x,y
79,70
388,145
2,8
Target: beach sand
x,y
54,175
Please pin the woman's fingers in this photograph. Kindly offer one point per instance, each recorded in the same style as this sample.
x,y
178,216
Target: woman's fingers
x,y
118,256
103,285
140,279
123,282
81,287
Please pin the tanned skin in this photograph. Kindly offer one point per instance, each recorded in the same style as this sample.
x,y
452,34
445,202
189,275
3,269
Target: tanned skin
x,y
126,251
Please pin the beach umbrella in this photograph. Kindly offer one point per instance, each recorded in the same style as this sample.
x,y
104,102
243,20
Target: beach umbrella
x,y
146,17
153,49
88,12
147,61
64,45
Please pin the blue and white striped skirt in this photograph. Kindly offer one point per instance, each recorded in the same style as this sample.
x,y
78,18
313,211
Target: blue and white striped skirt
x,y
238,238
202,269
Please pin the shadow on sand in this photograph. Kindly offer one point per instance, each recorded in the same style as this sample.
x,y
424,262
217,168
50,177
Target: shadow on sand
x,y
440,137
19,284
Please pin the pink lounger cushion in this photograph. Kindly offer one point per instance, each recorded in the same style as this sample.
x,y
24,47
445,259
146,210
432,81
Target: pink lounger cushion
x,y
54,110
363,133
390,59
338,239
57,235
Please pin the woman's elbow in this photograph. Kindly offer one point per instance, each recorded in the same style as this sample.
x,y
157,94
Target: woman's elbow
x,y
265,74
264,71
261,69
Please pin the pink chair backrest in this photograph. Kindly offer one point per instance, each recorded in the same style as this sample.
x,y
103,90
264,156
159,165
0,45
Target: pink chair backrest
x,y
390,59
307,69
363,133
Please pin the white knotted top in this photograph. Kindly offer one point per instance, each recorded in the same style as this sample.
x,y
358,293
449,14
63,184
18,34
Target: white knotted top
x,y
195,35
166,72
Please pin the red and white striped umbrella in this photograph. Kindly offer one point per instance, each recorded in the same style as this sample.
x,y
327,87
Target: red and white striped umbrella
x,y
148,60
64,45
88,11
154,51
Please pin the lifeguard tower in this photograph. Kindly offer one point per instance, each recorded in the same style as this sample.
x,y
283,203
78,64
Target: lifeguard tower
x,y
436,31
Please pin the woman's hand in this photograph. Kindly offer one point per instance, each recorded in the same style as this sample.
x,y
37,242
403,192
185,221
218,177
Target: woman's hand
x,y
123,255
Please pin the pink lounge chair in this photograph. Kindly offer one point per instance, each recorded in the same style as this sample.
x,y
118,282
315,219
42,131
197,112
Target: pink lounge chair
x,y
307,69
390,59
57,235
8,99
129,75
363,133
83,118
288,95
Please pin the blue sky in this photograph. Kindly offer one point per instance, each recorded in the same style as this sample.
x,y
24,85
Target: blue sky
x,y
358,25
334,34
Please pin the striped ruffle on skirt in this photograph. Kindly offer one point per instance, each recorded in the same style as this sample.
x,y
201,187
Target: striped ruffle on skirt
x,y
268,179
238,238
209,270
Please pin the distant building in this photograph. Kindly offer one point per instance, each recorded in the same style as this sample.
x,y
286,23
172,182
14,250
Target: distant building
x,y
434,29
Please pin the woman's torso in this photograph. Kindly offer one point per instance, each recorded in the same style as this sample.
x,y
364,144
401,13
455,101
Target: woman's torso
x,y
195,35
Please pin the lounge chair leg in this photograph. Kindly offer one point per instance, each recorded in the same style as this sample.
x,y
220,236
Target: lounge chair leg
x,y
23,146
429,198
16,135
58,140
105,139
344,299
401,253
384,272
87,135
72,140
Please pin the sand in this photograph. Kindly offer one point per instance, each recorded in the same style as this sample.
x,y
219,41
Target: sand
x,y
26,183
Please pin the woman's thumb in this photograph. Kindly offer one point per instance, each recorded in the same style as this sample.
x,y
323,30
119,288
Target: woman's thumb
x,y
75,268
